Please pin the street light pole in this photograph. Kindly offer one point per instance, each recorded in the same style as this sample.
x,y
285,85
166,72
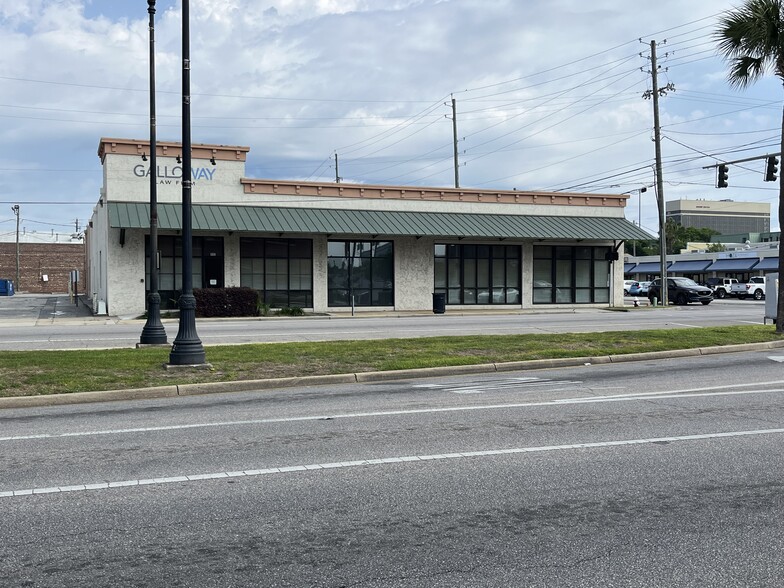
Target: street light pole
x,y
187,348
15,208
153,332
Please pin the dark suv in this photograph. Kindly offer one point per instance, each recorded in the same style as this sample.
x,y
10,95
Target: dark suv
x,y
680,291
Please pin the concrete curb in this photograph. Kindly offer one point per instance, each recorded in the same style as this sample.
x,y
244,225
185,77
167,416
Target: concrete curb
x,y
250,385
363,377
86,397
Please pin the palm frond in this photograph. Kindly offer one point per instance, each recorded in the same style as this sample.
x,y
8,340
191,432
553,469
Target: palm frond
x,y
751,40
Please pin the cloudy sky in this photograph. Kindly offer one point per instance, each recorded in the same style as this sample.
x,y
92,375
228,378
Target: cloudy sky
x,y
549,96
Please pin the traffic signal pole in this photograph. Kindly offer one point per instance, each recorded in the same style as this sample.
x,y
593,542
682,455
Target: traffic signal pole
x,y
771,167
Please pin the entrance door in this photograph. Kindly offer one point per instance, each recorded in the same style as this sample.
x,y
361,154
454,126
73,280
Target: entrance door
x,y
212,262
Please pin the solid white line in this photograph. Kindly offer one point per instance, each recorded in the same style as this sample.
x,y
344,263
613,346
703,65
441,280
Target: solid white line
x,y
378,461
641,396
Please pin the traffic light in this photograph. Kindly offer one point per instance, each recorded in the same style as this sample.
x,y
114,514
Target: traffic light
x,y
771,168
722,176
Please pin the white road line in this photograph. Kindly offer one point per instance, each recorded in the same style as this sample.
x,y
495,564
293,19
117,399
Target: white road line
x,y
632,397
377,461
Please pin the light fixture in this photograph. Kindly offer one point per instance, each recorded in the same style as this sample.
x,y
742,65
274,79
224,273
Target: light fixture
x,y
144,157
212,160
179,159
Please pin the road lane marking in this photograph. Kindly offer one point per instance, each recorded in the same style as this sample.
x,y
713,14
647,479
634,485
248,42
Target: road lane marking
x,y
632,397
160,481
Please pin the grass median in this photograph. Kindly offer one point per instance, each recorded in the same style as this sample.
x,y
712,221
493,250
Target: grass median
x,y
29,373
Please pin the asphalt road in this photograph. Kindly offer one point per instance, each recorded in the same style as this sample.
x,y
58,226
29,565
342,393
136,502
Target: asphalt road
x,y
39,323
656,474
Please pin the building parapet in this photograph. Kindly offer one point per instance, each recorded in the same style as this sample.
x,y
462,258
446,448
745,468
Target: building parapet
x,y
368,191
170,149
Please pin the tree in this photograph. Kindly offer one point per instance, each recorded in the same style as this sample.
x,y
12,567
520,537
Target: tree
x,y
751,40
678,236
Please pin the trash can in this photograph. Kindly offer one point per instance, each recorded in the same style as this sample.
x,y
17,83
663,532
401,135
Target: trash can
x,y
439,303
6,288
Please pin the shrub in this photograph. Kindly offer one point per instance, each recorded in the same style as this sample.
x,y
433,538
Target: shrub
x,y
291,311
211,302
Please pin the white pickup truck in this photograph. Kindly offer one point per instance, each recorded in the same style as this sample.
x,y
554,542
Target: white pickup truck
x,y
723,287
755,288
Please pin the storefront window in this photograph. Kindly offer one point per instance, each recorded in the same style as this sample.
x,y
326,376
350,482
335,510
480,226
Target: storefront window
x,y
280,269
362,271
170,270
477,274
566,275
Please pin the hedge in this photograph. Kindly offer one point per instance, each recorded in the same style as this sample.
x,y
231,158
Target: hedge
x,y
211,302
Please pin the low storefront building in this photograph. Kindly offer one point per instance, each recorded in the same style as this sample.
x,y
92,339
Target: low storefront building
x,y
332,246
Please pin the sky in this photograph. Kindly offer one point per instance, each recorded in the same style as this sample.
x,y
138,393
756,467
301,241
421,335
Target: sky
x,y
549,96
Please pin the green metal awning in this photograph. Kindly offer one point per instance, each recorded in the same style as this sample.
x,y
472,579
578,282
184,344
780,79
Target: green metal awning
x,y
269,219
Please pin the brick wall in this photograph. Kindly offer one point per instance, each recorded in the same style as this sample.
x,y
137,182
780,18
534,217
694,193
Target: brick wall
x,y
55,260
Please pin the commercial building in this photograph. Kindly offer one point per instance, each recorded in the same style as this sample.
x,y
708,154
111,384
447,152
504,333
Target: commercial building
x,y
330,247
740,262
724,216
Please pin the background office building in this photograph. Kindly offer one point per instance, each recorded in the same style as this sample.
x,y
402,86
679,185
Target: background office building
x,y
724,216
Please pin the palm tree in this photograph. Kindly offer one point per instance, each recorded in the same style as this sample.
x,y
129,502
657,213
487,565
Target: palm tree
x,y
751,40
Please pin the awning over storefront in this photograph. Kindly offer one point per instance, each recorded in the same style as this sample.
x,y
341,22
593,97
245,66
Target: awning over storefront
x,y
260,219
648,267
767,264
628,267
738,264
690,266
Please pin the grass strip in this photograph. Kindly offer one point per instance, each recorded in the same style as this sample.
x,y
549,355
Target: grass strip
x,y
28,373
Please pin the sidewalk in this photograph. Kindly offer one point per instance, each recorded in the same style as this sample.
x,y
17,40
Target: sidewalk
x,y
36,309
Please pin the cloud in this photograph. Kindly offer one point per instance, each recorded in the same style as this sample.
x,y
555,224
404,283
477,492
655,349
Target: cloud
x,y
549,95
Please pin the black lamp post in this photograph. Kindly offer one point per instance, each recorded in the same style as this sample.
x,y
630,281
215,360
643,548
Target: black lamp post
x,y
153,332
187,348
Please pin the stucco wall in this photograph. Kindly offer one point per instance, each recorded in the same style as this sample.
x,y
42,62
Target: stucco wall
x,y
231,259
125,272
413,273
319,273
293,201
98,252
126,180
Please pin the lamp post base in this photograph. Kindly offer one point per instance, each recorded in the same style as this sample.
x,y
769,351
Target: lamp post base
x,y
187,348
153,332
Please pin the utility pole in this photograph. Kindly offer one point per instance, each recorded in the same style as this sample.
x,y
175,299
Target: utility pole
x,y
15,208
654,93
337,175
454,141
